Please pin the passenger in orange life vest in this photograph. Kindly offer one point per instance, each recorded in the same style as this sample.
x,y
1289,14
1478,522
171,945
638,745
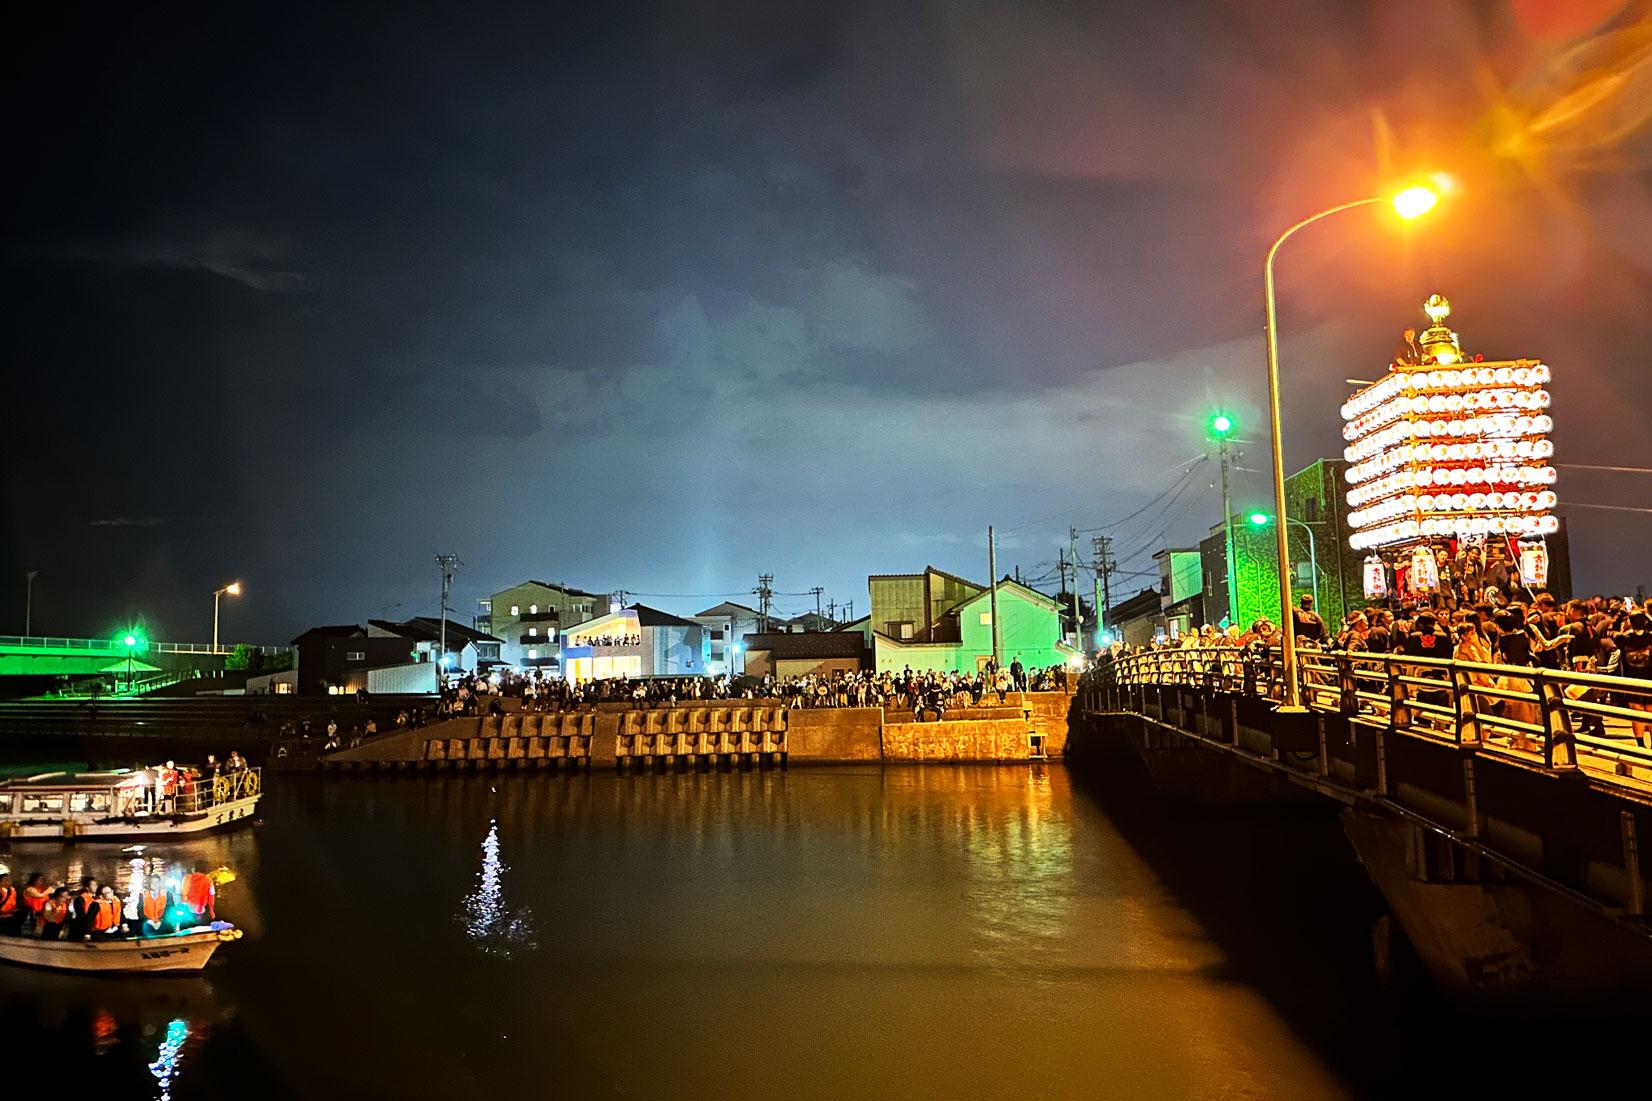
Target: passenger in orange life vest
x,y
106,916
81,907
33,898
54,915
153,905
200,896
10,916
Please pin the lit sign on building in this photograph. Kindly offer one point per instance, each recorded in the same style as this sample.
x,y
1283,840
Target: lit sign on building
x,y
1448,448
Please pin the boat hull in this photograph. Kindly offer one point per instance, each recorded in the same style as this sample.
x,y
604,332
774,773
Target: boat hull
x,y
238,812
180,952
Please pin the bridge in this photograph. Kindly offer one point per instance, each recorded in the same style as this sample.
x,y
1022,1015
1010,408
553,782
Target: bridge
x,y
1497,809
37,663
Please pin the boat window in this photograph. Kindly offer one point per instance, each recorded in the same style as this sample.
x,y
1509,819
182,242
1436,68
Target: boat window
x,y
42,804
83,801
5,804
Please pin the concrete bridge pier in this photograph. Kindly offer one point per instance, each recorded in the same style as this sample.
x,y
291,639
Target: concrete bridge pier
x,y
1480,927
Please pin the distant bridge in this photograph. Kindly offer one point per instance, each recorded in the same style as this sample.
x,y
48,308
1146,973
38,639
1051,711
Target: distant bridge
x,y
1498,809
40,660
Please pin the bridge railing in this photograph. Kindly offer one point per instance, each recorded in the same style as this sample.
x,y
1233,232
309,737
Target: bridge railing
x,y
105,645
1559,719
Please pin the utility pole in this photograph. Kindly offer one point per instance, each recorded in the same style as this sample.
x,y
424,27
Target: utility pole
x,y
448,563
1221,426
817,590
992,572
764,593
1061,573
1105,565
1078,621
831,611
848,611
28,603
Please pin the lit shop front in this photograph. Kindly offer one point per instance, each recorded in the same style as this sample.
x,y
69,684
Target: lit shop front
x,y
605,647
1450,469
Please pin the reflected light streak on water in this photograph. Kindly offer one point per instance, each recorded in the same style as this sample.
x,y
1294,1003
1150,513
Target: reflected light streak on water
x,y
165,1066
495,930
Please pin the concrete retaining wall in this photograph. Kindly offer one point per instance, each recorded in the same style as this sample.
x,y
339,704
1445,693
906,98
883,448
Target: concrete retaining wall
x,y
813,735
957,740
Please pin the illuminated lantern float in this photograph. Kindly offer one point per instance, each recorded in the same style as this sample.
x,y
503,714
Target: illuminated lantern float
x,y
1449,465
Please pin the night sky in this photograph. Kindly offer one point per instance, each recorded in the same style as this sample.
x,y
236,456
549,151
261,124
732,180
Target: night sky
x,y
664,296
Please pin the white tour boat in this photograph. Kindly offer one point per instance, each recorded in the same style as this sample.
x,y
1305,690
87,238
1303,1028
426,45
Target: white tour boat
x,y
185,950
125,803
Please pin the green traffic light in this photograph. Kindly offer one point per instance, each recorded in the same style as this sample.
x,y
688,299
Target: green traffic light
x,y
1260,519
1221,424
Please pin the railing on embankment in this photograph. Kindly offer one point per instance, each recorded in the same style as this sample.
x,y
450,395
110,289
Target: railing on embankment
x,y
1494,777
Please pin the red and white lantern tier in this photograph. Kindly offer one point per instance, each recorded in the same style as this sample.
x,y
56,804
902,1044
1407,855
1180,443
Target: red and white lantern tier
x,y
1448,450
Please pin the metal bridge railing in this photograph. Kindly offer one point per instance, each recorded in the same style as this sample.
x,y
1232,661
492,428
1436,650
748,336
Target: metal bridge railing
x,y
105,645
1559,719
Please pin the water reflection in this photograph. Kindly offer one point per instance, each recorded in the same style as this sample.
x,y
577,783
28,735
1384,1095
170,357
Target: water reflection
x,y
165,1066
496,930
873,932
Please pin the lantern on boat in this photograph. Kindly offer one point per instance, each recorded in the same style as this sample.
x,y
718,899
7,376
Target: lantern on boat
x,y
1376,578
1534,563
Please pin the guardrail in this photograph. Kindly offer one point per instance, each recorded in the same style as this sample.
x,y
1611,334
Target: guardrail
x,y
42,642
1557,719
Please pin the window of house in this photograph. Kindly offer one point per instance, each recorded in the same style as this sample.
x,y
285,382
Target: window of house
x,y
516,609
533,654
904,630
361,655
986,618
533,632
487,605
533,609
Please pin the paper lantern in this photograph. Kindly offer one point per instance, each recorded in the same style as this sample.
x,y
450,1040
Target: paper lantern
x,y
1425,575
1534,563
1376,578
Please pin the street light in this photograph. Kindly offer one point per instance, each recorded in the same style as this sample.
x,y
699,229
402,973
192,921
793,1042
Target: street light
x,y
1221,428
28,602
232,589
1411,202
1260,519
131,642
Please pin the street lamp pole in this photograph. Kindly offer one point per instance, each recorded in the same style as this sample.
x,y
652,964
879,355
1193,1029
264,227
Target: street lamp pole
x,y
1287,623
28,603
233,589
1313,559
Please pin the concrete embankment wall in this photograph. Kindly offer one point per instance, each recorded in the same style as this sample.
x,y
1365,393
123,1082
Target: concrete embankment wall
x,y
812,735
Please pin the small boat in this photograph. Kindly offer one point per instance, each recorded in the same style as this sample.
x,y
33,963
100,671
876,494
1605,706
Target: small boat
x,y
185,950
125,803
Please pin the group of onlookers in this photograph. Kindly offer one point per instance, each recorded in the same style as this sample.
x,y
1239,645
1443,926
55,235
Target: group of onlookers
x,y
1597,634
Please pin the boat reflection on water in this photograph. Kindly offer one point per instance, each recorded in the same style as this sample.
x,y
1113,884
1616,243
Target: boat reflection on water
x,y
139,1033
494,929
165,1066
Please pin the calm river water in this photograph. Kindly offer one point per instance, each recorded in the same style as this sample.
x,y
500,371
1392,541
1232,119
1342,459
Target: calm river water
x,y
898,932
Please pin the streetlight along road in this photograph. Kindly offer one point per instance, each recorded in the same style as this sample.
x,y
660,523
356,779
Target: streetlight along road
x,y
1408,203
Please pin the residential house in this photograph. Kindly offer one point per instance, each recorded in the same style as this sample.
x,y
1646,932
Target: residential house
x,y
1139,620
727,626
941,622
528,620
797,653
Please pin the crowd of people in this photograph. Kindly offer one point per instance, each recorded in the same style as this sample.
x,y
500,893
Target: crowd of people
x,y
93,911
1596,634
472,694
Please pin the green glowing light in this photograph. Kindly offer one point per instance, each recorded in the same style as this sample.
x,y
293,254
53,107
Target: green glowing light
x,y
1221,424
1260,519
